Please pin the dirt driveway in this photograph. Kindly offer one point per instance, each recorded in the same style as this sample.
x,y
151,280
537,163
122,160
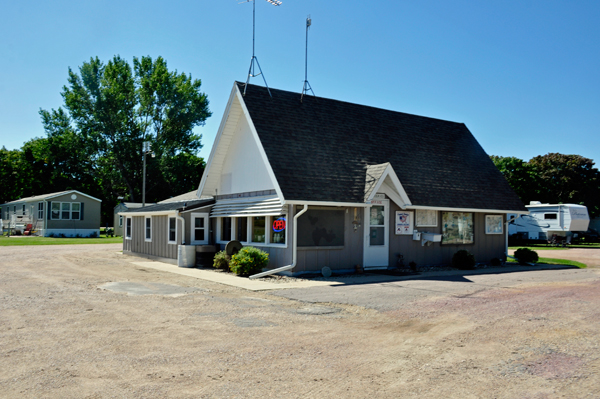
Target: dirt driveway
x,y
67,331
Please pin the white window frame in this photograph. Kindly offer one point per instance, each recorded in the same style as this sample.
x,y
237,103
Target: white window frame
x,y
268,225
120,220
60,211
146,238
128,228
193,218
169,230
40,210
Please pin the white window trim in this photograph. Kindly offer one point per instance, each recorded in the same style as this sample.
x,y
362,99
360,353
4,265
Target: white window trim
x,y
40,211
193,218
128,234
60,211
268,224
146,239
120,220
169,230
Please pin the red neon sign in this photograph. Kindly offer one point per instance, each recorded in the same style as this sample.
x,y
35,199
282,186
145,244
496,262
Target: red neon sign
x,y
279,225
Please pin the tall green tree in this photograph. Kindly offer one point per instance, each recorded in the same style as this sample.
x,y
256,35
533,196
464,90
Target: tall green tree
x,y
567,179
109,111
553,178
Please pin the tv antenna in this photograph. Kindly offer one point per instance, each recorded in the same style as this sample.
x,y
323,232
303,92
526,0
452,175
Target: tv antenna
x,y
306,86
254,60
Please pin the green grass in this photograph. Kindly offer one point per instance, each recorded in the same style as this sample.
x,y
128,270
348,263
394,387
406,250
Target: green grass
x,y
20,240
552,261
539,248
544,247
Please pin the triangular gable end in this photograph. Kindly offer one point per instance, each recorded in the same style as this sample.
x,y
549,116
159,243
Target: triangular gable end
x,y
382,179
238,162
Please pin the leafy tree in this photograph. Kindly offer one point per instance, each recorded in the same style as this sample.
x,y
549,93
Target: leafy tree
x,y
11,174
567,179
95,141
519,174
553,178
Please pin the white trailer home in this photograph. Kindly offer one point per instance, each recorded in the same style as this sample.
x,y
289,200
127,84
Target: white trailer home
x,y
547,220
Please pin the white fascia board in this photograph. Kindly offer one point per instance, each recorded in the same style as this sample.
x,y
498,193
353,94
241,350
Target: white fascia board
x,y
261,149
213,150
197,209
437,208
69,192
389,171
325,203
393,194
157,213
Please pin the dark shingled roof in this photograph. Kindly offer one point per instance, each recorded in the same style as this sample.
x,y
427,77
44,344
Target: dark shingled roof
x,y
172,206
319,150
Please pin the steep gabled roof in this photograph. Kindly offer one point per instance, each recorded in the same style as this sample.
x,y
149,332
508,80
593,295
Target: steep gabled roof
x,y
320,149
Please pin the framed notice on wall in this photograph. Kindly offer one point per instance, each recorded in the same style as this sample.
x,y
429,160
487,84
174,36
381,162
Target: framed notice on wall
x,y
404,222
426,218
493,224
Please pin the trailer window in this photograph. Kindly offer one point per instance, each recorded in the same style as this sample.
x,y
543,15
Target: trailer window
x,y
552,216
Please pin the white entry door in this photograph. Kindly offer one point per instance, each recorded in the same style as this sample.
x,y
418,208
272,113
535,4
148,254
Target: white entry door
x,y
376,253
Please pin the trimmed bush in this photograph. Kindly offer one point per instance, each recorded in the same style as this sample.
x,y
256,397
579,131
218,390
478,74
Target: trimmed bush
x,y
248,261
221,261
463,260
526,255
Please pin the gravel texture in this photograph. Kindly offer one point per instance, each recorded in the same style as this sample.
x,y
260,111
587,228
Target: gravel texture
x,y
65,334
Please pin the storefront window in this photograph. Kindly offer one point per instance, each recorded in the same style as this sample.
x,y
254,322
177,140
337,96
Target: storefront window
x,y
242,229
278,230
225,229
321,228
258,229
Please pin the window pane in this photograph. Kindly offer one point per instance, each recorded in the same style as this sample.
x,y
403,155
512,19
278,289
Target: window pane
x,y
225,229
278,230
376,235
148,228
199,235
75,215
172,229
242,229
377,215
199,222
75,206
66,210
258,229
321,228
128,228
55,210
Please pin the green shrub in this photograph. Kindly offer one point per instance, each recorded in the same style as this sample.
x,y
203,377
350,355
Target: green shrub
x,y
495,262
221,261
526,255
463,260
248,261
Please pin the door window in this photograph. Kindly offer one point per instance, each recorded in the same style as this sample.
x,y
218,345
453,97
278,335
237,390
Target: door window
x,y
377,225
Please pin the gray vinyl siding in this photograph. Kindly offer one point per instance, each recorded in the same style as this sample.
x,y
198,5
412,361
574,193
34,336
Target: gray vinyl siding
x,y
118,229
484,247
313,259
91,213
159,246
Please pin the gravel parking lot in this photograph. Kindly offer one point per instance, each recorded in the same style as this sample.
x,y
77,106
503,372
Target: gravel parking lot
x,y
84,321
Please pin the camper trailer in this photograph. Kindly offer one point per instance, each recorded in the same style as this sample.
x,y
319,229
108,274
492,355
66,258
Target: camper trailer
x,y
547,220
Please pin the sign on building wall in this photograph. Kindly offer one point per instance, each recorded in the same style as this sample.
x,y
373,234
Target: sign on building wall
x,y
404,222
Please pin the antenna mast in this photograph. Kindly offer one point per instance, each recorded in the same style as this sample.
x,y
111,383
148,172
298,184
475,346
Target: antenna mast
x,y
306,87
254,59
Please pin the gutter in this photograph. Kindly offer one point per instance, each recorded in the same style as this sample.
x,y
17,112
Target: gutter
x,y
294,250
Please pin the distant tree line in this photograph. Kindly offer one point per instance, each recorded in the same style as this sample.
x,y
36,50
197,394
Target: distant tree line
x,y
94,143
553,178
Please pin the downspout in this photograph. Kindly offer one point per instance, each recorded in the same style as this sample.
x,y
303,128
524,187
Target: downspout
x,y
506,234
179,217
294,250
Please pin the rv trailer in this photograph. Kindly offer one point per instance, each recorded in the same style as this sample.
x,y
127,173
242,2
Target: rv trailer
x,y
547,220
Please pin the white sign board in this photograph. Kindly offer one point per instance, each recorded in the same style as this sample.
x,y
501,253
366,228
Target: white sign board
x,y
404,222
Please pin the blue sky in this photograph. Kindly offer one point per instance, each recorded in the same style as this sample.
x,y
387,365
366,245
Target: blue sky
x,y
524,76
